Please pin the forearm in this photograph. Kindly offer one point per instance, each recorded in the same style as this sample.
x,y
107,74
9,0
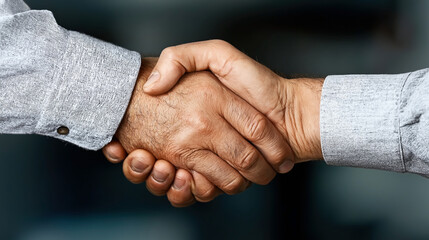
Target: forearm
x,y
51,77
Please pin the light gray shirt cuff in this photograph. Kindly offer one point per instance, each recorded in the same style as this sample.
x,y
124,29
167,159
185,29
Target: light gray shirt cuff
x,y
60,83
359,121
90,91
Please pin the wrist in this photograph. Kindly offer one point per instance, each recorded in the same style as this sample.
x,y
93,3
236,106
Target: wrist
x,y
302,117
134,109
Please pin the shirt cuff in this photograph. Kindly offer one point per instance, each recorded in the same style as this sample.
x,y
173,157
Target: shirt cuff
x,y
90,91
359,121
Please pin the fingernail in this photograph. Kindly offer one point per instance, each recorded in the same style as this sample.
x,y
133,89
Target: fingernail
x,y
286,166
159,176
138,166
113,159
153,78
179,183
110,157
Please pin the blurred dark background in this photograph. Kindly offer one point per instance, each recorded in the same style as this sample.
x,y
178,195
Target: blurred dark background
x,y
54,190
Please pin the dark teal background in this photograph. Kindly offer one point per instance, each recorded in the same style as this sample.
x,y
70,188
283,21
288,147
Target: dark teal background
x,y
54,190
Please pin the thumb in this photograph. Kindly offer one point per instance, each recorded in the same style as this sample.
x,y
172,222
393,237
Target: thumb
x,y
164,76
199,56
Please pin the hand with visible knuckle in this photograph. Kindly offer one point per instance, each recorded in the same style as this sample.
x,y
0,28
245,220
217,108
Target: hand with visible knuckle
x,y
257,128
181,125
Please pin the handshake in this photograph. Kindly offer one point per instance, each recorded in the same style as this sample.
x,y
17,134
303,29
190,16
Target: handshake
x,y
231,123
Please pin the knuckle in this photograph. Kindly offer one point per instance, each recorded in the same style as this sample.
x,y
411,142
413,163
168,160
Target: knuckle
x,y
220,43
169,53
224,67
189,158
277,157
248,160
190,163
188,155
235,186
200,124
206,195
257,128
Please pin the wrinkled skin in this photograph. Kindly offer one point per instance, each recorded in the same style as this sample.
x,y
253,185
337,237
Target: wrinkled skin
x,y
202,126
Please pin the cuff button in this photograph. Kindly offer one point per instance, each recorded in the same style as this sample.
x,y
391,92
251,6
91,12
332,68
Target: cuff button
x,y
63,130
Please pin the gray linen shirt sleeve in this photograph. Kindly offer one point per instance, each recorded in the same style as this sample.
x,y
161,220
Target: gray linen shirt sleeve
x,y
377,121
51,77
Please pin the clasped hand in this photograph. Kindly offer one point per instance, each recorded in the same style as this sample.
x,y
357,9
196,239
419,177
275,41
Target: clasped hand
x,y
214,131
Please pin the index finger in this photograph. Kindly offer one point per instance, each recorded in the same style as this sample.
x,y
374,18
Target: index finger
x,y
260,131
213,55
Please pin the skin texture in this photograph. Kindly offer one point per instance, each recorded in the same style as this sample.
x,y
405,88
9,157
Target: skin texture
x,y
199,126
162,176
302,117
292,105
